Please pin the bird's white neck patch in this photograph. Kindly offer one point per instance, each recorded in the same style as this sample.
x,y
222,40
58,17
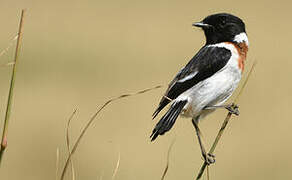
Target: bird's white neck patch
x,y
240,38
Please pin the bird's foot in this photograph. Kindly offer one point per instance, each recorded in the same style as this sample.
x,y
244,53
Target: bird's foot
x,y
233,109
209,158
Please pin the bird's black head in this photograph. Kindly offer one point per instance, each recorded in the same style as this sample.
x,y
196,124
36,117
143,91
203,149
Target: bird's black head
x,y
221,27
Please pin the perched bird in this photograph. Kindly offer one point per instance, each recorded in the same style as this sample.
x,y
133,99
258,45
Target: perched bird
x,y
209,78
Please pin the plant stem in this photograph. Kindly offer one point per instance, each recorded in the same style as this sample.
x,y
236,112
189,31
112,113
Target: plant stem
x,y
83,131
225,122
215,143
12,82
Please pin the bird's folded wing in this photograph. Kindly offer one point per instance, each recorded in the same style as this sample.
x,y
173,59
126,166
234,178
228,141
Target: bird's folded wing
x,y
208,61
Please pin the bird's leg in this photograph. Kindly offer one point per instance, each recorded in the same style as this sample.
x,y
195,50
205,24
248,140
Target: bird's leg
x,y
209,158
232,108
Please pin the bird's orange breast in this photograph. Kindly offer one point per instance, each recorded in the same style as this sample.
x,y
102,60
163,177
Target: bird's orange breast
x,y
242,49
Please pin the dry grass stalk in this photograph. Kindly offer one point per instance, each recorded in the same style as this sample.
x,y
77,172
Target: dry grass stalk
x,y
57,162
117,166
68,142
93,118
11,88
208,176
167,162
225,122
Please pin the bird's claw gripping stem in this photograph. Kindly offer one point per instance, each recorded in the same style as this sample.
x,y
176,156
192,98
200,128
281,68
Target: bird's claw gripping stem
x,y
233,109
209,158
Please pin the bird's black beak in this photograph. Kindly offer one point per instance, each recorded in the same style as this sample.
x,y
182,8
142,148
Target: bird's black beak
x,y
202,25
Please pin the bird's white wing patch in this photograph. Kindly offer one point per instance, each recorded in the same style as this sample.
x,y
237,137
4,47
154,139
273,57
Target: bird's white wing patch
x,y
190,76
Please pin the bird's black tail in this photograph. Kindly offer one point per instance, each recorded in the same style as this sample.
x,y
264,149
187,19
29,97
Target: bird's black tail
x,y
168,120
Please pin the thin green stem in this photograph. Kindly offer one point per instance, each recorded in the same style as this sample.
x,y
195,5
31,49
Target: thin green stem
x,y
12,82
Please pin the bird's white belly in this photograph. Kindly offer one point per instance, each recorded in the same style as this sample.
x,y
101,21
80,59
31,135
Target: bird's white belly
x,y
214,90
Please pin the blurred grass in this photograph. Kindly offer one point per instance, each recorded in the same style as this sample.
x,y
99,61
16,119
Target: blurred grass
x,y
79,53
68,144
90,122
4,140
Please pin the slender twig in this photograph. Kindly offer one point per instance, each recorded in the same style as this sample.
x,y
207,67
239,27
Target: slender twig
x,y
225,122
93,118
68,142
117,166
12,82
57,162
167,162
215,144
208,175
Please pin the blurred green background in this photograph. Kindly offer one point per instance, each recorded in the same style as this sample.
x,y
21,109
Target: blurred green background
x,y
77,54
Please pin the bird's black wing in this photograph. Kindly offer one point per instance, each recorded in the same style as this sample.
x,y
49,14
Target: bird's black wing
x,y
208,61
